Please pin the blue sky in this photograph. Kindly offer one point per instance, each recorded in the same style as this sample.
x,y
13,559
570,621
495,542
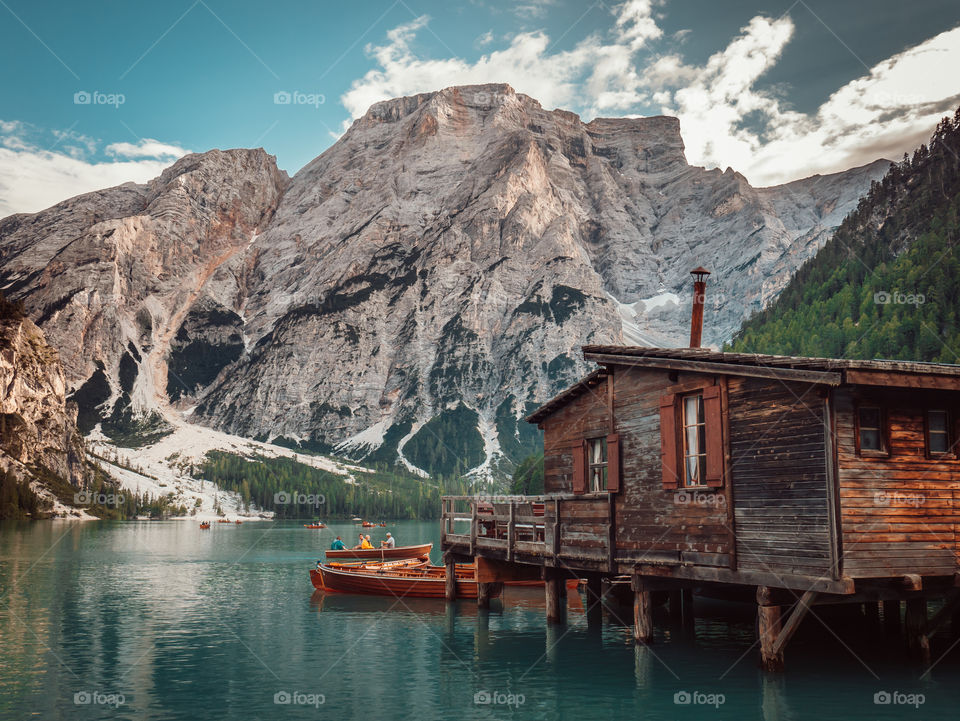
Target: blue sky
x,y
776,90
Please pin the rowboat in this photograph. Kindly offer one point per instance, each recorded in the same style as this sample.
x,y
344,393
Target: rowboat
x,y
367,524
313,525
223,520
412,578
205,525
238,521
400,581
382,553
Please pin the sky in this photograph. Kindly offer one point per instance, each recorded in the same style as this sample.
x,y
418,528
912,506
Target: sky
x,y
93,94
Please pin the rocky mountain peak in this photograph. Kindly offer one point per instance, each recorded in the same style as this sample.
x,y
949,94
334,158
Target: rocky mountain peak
x,y
416,288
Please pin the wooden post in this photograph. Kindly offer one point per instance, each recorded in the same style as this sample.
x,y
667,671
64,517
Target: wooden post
x,y
891,617
594,600
451,577
871,611
768,629
556,592
688,616
642,612
483,595
916,624
676,606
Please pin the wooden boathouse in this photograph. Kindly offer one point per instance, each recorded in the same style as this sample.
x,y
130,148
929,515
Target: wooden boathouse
x,y
806,481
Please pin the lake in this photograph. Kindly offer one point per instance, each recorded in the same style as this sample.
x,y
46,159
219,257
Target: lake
x,y
160,620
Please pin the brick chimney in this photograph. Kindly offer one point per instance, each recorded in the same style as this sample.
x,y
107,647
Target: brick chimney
x,y
696,317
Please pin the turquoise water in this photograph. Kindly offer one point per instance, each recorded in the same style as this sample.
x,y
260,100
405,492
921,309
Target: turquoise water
x,y
160,620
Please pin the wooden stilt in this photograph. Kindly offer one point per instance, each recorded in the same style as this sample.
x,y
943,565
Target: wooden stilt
x,y
891,617
688,615
483,595
642,612
768,629
676,606
871,612
556,592
916,624
451,577
594,598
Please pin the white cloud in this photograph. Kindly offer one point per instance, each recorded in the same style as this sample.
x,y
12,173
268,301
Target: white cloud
x,y
33,178
605,71
146,148
882,114
725,119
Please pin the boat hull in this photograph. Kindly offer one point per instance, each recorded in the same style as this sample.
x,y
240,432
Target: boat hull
x,y
382,553
414,583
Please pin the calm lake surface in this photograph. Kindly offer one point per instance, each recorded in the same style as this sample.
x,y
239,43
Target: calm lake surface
x,y
160,620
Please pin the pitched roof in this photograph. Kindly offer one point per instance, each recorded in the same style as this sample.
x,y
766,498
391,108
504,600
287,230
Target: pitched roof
x,y
564,397
832,371
774,361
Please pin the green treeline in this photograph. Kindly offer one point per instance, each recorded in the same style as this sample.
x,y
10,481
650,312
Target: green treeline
x,y
295,490
887,284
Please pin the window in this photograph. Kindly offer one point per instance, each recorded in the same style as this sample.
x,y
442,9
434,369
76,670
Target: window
x,y
938,432
694,441
870,431
692,438
597,454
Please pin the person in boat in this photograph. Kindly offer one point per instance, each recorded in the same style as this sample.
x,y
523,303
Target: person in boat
x,y
359,542
390,542
365,544
338,544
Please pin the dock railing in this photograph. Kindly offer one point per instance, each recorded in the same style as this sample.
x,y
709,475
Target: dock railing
x,y
536,529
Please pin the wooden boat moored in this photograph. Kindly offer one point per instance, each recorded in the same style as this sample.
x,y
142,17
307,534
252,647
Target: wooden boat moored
x,y
400,581
382,553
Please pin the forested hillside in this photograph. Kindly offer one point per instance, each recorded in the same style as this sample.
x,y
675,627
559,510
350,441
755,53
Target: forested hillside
x,y
887,284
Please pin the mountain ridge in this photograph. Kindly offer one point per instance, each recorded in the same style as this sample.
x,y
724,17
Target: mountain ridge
x,y
443,260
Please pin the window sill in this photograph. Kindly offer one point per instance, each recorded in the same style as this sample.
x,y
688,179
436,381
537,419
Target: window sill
x,y
874,454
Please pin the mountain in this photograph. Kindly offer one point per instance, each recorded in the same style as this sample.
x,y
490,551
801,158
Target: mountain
x,y
886,285
412,292
41,450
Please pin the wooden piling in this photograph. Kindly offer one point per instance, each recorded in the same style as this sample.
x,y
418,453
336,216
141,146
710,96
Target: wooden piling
x,y
676,606
594,601
768,629
915,621
556,594
483,595
451,578
871,612
891,617
688,616
642,612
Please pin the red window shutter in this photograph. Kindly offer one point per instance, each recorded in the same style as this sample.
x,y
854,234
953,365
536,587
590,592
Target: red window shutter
x,y
579,451
613,463
713,418
668,440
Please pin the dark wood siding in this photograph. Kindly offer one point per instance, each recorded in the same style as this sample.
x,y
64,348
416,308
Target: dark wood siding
x,y
782,510
652,524
563,431
899,513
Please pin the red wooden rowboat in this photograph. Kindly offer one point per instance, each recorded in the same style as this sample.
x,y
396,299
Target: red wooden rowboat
x,y
400,581
205,524
367,524
313,525
382,553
